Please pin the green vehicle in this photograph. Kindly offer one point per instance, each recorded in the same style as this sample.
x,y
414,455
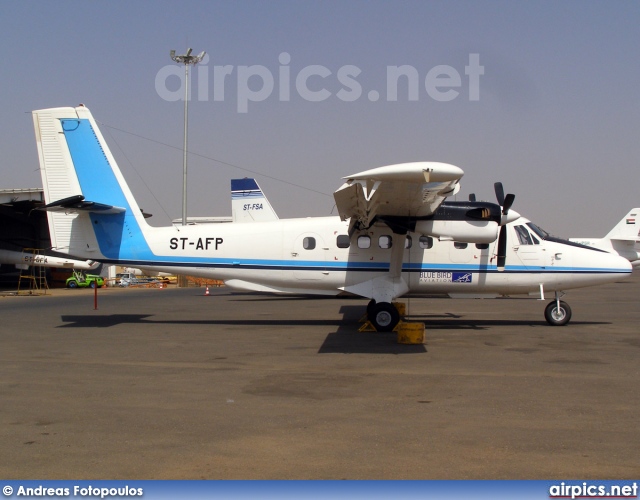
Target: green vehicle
x,y
81,280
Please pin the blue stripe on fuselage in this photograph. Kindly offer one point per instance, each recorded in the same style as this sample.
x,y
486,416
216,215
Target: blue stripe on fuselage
x,y
292,265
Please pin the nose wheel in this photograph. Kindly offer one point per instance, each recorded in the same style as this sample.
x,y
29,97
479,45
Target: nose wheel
x,y
557,313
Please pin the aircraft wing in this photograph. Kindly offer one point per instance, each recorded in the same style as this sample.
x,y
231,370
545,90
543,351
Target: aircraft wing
x,y
407,189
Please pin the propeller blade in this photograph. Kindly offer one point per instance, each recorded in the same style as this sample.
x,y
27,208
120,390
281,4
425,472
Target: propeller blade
x,y
508,201
499,193
505,203
472,197
502,248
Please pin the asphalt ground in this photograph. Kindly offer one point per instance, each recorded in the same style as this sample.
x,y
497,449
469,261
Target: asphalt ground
x,y
173,384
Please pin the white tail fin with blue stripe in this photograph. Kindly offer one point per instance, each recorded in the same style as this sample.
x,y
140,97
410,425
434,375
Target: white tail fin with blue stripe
x,y
248,202
91,209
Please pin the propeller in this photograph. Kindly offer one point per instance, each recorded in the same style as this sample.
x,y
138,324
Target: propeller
x,y
505,202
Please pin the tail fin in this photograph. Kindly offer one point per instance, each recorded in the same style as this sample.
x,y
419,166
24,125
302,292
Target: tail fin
x,y
248,202
628,228
91,210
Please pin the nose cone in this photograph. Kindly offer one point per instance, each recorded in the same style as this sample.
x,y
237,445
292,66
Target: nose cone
x,y
620,264
510,217
603,263
591,267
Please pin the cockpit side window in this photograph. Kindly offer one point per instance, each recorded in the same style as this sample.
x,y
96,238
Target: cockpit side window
x,y
540,232
523,235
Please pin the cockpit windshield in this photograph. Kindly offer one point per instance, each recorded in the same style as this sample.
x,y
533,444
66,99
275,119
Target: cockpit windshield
x,y
540,232
547,237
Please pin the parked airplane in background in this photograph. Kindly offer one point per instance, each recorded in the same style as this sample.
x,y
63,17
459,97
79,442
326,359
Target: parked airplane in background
x,y
623,239
248,202
23,260
393,236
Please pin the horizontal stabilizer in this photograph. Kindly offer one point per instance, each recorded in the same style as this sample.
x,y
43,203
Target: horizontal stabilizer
x,y
77,202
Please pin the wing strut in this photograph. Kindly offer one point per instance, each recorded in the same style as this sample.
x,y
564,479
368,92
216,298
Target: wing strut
x,y
389,286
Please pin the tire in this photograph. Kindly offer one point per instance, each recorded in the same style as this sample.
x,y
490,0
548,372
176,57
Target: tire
x,y
92,284
555,316
370,308
72,284
385,316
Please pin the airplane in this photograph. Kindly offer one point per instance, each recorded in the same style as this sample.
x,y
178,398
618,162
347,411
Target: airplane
x,y
394,234
622,240
248,202
22,260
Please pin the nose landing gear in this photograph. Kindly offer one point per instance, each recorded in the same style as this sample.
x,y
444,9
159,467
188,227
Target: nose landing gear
x,y
557,312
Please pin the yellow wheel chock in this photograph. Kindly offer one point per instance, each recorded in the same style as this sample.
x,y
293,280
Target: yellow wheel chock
x,y
407,332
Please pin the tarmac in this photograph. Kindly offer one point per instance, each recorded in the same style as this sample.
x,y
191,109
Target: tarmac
x,y
173,384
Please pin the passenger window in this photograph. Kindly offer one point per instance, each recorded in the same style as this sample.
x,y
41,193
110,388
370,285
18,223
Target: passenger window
x,y
523,235
364,242
408,242
482,246
426,242
459,245
384,242
343,241
309,243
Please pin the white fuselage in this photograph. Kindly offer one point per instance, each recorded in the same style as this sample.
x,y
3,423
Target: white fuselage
x,y
303,256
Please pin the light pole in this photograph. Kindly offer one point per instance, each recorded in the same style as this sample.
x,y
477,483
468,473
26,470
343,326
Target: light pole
x,y
186,59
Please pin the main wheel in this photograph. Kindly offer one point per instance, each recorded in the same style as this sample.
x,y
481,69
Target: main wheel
x,y
371,308
557,316
72,284
384,316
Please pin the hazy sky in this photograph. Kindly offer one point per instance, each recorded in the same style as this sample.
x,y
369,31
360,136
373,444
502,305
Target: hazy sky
x,y
555,116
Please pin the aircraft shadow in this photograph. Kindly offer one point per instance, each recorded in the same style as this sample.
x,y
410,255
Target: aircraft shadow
x,y
454,322
89,321
343,338
348,340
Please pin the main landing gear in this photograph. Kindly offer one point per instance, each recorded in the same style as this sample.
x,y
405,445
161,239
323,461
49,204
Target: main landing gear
x,y
383,316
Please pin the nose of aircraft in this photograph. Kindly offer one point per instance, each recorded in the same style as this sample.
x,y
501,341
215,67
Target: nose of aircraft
x,y
614,263
598,267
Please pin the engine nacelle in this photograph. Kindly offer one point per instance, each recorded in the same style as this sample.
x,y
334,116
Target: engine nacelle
x,y
464,221
470,231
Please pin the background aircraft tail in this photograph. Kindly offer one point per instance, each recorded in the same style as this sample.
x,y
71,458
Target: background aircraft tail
x,y
91,210
248,202
627,229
